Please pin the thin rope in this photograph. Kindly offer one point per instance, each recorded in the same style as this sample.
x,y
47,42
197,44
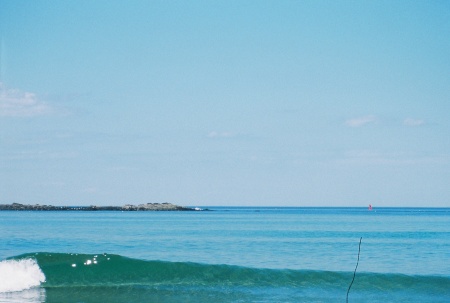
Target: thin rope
x,y
354,273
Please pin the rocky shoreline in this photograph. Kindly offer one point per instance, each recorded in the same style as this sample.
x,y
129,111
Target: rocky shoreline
x,y
128,207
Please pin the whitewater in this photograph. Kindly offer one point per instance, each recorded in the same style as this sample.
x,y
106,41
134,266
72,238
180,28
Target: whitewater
x,y
226,255
17,275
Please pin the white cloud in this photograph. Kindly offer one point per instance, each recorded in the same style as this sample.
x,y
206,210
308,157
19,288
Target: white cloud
x,y
215,134
413,122
360,121
16,103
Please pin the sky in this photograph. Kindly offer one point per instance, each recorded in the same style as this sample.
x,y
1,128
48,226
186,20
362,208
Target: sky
x,y
225,103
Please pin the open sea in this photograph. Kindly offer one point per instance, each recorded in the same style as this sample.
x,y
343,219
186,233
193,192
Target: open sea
x,y
228,254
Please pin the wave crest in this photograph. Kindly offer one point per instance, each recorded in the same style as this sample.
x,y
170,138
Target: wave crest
x,y
18,275
74,270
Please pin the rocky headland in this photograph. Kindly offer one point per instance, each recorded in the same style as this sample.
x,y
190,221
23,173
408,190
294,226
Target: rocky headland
x,y
128,207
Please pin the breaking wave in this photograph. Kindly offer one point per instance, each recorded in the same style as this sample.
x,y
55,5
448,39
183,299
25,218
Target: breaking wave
x,y
21,274
95,278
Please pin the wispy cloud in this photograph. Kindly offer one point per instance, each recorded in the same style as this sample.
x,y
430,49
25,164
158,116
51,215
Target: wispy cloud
x,y
413,122
17,103
361,121
215,134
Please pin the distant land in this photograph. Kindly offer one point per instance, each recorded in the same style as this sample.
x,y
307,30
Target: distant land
x,y
128,207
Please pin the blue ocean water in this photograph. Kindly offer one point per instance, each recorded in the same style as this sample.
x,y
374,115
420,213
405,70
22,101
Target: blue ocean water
x,y
228,254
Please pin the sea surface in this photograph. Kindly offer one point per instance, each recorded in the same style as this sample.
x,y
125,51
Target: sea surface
x,y
227,254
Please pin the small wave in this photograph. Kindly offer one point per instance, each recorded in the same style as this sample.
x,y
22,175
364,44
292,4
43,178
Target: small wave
x,y
73,278
83,270
18,275
63,270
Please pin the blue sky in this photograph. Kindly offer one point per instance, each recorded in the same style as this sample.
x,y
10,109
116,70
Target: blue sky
x,y
271,103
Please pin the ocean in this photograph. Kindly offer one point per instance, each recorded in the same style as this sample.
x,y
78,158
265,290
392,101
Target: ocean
x,y
227,254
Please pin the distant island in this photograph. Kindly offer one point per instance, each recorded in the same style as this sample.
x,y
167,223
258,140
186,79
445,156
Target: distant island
x,y
128,207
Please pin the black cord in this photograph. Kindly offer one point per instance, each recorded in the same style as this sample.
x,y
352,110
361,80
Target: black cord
x,y
354,273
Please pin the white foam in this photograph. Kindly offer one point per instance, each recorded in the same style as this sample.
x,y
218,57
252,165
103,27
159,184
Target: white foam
x,y
18,275
34,295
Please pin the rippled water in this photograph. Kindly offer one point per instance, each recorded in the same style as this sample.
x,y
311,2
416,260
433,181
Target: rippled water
x,y
395,242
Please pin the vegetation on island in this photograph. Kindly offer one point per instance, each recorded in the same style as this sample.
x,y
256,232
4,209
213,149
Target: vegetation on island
x,y
128,207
